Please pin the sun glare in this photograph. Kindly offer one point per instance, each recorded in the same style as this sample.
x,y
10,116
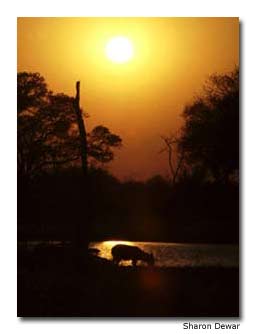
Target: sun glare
x,y
119,49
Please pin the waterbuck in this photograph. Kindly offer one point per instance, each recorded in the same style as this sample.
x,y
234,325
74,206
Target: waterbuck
x,y
125,252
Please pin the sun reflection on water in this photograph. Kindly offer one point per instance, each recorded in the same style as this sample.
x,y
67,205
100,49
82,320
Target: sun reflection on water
x,y
112,243
177,255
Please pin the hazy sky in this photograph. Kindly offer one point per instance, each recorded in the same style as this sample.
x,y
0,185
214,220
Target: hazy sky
x,y
142,99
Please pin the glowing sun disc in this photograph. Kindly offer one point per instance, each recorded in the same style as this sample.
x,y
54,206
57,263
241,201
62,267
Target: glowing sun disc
x,y
119,49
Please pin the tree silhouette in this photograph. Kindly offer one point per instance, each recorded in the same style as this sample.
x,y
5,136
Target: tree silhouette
x,y
101,143
48,134
32,91
175,156
210,136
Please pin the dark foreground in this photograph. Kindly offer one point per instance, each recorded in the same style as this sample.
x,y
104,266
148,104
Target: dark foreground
x,y
52,284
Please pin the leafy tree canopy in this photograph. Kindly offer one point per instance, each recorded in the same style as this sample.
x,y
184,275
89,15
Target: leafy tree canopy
x,y
210,136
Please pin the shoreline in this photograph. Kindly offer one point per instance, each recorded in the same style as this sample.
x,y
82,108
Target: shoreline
x,y
53,284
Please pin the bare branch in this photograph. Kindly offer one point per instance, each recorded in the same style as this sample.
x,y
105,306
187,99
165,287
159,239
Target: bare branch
x,y
175,162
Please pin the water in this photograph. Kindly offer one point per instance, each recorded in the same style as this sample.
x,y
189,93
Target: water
x,y
179,254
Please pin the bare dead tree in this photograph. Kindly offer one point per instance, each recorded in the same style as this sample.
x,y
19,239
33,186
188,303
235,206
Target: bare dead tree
x,y
175,156
83,225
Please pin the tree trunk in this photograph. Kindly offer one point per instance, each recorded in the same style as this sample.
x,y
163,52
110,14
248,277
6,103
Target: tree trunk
x,y
82,215
82,130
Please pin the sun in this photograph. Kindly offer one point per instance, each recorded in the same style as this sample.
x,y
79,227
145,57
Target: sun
x,y
119,49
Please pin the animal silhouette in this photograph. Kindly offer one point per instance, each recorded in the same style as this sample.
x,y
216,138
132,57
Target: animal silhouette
x,y
135,254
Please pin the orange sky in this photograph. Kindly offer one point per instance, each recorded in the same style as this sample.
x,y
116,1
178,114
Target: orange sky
x,y
142,99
